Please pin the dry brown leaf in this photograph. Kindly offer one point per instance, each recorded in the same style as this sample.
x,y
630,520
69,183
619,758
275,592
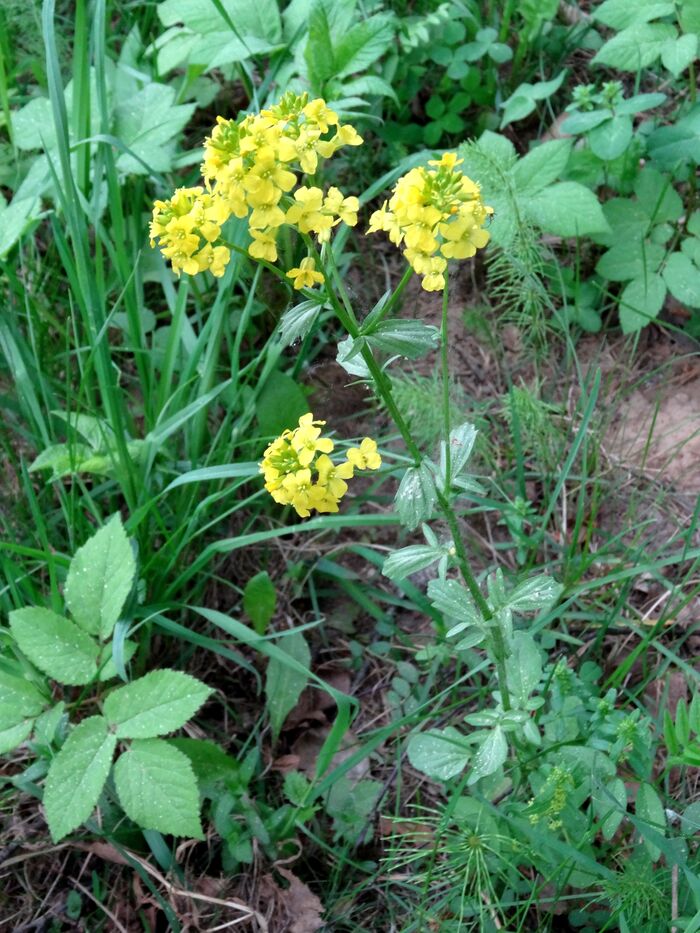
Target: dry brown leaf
x,y
302,906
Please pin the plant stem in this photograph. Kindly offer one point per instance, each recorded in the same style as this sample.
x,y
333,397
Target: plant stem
x,y
446,387
382,385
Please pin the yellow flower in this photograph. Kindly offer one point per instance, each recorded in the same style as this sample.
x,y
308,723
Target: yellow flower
x,y
305,276
264,245
186,226
366,456
344,208
333,475
306,212
306,440
437,213
213,258
317,112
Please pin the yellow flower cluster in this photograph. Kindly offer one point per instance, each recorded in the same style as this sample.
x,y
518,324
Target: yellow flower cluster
x,y
249,170
299,472
437,214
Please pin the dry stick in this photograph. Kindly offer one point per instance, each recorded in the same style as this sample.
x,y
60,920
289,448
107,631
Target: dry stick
x,y
105,910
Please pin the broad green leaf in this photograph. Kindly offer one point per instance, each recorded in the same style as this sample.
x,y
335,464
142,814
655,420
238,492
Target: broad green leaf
x,y
296,322
155,704
490,755
690,16
62,459
157,788
610,805
55,645
48,724
619,14
534,595
363,45
148,123
636,47
19,700
416,496
209,761
640,302
677,143
15,218
649,808
585,121
260,600
100,578
542,165
408,560
280,404
523,667
441,754
639,102
658,196
77,775
33,125
566,209
251,18
498,147
285,682
627,220
12,736
405,337
517,107
454,601
683,279
319,54
678,54
610,140
630,259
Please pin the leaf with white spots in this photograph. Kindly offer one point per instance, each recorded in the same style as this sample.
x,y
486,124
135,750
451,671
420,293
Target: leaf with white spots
x,y
77,775
490,755
55,645
156,704
441,754
157,788
100,578
19,700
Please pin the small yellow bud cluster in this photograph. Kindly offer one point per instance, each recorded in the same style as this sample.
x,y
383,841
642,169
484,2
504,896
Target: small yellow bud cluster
x,y
249,170
186,227
295,456
438,215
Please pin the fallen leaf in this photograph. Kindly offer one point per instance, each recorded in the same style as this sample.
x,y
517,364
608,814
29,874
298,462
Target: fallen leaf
x,y
302,906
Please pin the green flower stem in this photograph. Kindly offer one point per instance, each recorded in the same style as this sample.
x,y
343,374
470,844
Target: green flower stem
x,y
446,386
382,385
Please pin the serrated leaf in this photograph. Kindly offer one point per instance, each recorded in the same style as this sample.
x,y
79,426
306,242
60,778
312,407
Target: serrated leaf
x,y
441,754
19,700
363,45
157,788
63,460
462,440
408,560
637,103
260,600
610,805
100,578
542,165
649,808
409,338
490,755
155,704
636,47
683,279
534,595
454,601
567,209
209,761
523,667
416,496
297,322
55,645
285,682
77,775
640,302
